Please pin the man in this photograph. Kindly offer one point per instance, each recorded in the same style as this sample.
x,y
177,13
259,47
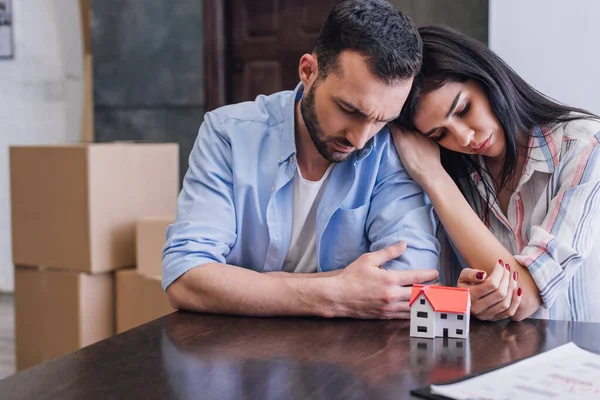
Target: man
x,y
284,194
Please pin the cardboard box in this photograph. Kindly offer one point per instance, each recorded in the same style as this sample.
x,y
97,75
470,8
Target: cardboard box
x,y
140,299
76,206
59,312
150,239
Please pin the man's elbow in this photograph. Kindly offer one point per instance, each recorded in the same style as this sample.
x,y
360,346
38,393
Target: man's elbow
x,y
176,294
185,294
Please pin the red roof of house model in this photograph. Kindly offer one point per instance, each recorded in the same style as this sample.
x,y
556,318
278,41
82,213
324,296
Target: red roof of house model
x,y
443,298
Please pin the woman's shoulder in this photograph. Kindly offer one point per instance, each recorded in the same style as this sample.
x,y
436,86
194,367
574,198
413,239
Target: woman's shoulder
x,y
580,129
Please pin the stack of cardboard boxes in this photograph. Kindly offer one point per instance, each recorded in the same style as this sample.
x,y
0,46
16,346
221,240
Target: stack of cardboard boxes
x,y
74,215
140,297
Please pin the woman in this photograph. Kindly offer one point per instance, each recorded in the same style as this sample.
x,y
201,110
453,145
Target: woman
x,y
514,178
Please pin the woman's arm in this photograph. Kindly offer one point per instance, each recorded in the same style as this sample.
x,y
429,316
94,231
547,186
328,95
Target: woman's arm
x,y
477,245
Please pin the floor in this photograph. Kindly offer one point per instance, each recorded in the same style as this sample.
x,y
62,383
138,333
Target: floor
x,y
7,336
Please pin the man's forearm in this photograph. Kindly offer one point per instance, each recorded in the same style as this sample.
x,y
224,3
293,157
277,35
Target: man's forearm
x,y
227,289
304,275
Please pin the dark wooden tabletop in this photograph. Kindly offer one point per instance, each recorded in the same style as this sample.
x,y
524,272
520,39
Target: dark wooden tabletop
x,y
196,356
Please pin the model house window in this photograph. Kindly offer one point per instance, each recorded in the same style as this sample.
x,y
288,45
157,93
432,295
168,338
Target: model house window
x,y
421,314
421,329
460,317
423,301
459,331
444,316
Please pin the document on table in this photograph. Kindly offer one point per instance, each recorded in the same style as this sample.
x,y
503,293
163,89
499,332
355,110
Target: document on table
x,y
564,373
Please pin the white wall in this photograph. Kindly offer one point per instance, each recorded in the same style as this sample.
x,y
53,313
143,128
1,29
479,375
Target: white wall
x,y
33,98
553,45
70,40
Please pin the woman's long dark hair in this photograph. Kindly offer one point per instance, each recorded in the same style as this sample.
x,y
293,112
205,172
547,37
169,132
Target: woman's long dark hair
x,y
450,56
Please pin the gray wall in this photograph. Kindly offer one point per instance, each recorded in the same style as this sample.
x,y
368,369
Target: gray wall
x,y
468,16
148,71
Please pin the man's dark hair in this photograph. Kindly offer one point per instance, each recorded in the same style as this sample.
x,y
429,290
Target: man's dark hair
x,y
386,37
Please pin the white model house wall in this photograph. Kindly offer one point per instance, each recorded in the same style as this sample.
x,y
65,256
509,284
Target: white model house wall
x,y
456,327
421,305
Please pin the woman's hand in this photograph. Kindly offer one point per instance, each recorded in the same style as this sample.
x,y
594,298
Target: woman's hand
x,y
493,298
419,155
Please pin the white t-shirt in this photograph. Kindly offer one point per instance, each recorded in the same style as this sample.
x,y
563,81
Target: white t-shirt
x,y
302,254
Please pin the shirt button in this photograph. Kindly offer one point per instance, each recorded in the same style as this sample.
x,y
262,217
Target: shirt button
x,y
281,158
272,188
292,159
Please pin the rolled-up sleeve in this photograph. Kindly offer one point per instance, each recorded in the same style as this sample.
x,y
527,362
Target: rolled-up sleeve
x,y
400,211
205,228
559,245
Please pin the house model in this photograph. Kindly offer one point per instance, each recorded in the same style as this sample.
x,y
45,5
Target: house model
x,y
439,311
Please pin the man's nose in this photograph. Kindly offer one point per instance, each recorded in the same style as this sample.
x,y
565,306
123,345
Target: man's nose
x,y
360,134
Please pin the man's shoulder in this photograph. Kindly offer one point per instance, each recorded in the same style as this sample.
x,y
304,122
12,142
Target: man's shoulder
x,y
383,138
264,110
384,150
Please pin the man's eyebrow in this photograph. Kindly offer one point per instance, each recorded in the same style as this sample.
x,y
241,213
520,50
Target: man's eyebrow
x,y
357,110
450,111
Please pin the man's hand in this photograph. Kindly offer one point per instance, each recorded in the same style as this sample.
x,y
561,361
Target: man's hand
x,y
364,289
493,298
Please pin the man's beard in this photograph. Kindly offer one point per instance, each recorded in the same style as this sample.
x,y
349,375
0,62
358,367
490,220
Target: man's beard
x,y
309,115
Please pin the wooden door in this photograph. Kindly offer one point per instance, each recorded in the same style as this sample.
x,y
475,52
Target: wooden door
x,y
260,45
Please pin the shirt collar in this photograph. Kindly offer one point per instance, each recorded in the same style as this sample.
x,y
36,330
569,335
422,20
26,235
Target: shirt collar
x,y
544,147
287,146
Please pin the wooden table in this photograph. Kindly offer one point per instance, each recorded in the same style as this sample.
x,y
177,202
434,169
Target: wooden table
x,y
196,356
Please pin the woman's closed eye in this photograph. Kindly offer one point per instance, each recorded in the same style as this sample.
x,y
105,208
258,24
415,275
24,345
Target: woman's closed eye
x,y
441,135
459,113
464,110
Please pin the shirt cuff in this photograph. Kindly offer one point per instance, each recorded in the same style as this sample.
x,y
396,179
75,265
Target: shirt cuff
x,y
551,264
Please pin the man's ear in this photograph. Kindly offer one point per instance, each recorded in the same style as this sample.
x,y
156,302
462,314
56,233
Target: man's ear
x,y
308,70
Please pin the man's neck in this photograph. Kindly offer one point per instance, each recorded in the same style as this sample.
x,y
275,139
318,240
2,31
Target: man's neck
x,y
311,163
